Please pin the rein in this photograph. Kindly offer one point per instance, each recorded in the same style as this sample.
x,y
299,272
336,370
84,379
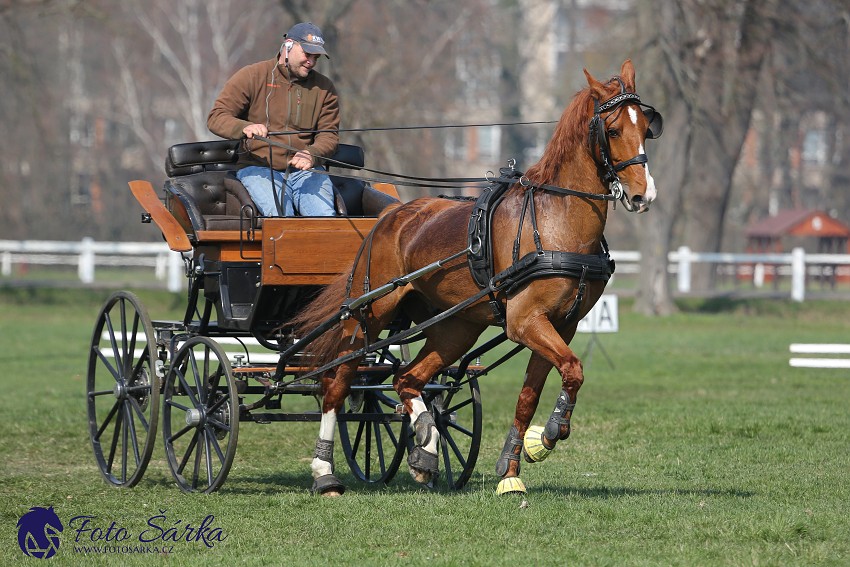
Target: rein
x,y
445,182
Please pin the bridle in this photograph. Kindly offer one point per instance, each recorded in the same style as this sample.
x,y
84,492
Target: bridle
x,y
600,147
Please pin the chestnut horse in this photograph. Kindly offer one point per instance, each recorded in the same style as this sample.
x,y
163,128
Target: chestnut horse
x,y
597,154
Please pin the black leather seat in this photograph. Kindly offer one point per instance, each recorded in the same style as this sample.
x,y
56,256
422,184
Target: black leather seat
x,y
202,178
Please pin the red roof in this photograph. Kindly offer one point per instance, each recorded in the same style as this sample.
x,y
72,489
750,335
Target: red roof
x,y
798,222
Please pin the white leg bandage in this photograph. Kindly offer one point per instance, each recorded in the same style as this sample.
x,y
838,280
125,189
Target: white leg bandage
x,y
327,428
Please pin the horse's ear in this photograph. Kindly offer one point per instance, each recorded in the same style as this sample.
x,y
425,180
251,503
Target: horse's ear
x,y
597,89
627,73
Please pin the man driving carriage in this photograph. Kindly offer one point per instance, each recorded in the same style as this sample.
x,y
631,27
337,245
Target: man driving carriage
x,y
283,94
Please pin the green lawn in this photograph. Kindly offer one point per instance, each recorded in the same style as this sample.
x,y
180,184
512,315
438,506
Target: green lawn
x,y
700,447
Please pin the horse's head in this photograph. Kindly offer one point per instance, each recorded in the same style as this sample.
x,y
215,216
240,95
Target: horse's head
x,y
619,127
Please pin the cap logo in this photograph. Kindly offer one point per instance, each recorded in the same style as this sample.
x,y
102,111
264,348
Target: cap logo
x,y
317,39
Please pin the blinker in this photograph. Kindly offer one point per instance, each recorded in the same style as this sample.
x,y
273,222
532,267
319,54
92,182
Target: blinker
x,y
656,123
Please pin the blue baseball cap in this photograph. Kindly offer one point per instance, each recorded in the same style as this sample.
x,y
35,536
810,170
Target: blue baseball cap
x,y
309,36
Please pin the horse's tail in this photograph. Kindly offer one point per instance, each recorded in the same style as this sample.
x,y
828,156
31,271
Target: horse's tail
x,y
327,304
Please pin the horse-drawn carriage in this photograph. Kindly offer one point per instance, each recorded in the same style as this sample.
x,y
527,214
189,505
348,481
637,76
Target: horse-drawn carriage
x,y
434,269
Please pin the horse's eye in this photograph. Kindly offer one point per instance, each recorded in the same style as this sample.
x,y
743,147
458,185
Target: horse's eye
x,y
613,133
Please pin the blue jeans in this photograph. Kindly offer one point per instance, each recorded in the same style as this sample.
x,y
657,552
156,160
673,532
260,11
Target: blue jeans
x,y
311,194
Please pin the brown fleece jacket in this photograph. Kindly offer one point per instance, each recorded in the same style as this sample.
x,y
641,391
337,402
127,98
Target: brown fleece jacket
x,y
293,106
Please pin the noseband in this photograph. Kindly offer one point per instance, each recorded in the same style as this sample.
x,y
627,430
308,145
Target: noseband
x,y
598,136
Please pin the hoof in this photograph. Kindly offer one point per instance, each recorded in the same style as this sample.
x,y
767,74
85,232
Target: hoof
x,y
532,445
510,485
328,485
423,477
424,466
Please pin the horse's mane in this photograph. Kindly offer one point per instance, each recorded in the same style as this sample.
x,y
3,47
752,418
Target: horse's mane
x,y
570,136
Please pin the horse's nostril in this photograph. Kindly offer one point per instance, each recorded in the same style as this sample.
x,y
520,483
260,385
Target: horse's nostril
x,y
637,199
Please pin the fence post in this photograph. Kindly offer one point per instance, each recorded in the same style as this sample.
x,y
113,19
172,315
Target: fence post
x,y
7,264
798,274
85,267
175,272
684,276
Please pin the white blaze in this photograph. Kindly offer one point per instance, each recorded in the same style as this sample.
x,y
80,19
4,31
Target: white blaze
x,y
650,182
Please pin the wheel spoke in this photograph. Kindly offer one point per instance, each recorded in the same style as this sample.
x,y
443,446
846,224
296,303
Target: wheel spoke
x,y
174,404
356,445
460,405
208,456
218,403
106,421
188,453
134,441
446,460
124,448
218,425
115,435
367,457
179,434
450,441
138,409
390,433
122,304
144,358
103,358
116,354
186,388
199,389
216,446
457,427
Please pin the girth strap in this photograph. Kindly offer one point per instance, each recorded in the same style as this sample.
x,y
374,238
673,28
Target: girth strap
x,y
558,263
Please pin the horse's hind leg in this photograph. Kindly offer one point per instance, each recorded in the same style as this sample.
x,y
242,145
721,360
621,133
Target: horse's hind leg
x,y
508,464
446,342
335,388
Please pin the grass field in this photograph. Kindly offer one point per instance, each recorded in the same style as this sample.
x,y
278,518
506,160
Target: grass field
x,y
700,447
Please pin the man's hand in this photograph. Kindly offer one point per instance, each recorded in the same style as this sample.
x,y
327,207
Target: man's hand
x,y
301,160
252,130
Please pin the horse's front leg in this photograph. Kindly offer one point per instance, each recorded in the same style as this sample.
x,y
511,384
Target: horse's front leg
x,y
537,442
336,389
508,464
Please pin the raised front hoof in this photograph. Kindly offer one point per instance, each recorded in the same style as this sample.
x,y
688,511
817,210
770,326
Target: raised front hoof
x,y
328,485
533,449
424,466
510,485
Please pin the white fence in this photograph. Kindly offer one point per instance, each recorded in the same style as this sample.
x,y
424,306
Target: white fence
x,y
88,254
168,266
798,265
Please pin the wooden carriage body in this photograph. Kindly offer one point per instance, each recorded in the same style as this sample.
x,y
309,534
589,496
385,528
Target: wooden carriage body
x,y
257,271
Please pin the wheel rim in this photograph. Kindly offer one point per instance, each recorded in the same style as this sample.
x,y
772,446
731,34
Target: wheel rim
x,y
200,422
457,414
372,436
123,389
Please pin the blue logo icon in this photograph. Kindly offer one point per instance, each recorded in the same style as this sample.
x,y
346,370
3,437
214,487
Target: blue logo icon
x,y
38,532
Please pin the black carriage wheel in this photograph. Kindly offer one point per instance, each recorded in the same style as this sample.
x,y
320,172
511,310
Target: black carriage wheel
x,y
372,436
123,389
200,421
457,412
